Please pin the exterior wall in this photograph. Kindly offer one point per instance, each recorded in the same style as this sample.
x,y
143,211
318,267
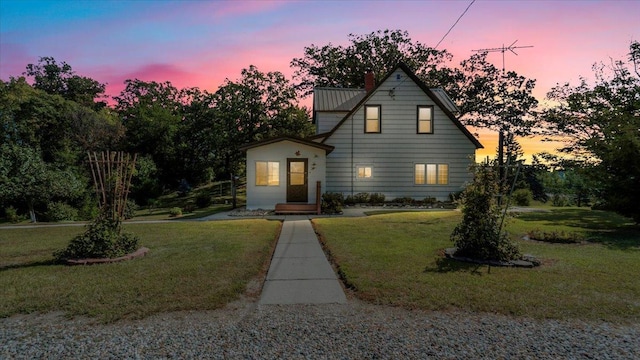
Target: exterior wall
x,y
394,152
326,121
266,197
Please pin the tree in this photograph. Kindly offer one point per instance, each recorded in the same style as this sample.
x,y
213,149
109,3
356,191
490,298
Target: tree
x,y
25,177
379,52
60,79
152,115
599,124
256,106
486,96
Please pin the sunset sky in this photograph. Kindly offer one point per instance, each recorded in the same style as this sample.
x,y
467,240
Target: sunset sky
x,y
200,43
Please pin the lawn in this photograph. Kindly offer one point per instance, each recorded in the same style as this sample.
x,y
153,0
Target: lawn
x,y
396,259
190,266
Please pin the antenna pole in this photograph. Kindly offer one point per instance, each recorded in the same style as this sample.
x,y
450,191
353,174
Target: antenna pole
x,y
502,49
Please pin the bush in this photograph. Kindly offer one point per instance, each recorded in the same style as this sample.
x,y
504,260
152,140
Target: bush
x,y
349,200
103,238
175,212
361,198
184,188
12,214
560,200
332,203
88,208
454,197
203,200
376,198
404,200
429,200
130,210
479,235
522,197
59,211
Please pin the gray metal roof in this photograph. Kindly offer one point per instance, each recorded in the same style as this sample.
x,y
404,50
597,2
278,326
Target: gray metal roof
x,y
445,99
336,99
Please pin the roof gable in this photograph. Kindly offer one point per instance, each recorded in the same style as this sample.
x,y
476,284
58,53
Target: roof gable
x,y
325,147
438,96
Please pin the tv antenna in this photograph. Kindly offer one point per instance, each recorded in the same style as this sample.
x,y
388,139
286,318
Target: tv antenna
x,y
503,50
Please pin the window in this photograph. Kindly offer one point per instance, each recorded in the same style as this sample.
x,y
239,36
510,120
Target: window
x,y
364,172
267,173
431,174
425,119
372,119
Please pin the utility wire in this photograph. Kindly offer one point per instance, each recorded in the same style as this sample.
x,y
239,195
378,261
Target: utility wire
x,y
454,24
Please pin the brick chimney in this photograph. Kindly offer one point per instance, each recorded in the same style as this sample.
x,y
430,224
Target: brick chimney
x,y
369,81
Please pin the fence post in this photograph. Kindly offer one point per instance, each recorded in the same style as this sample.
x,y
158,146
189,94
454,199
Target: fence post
x,y
318,198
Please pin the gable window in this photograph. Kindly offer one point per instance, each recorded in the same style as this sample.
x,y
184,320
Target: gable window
x,y
372,119
267,173
425,119
431,174
364,172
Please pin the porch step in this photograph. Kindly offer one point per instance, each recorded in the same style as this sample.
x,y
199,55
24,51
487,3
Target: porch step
x,y
296,209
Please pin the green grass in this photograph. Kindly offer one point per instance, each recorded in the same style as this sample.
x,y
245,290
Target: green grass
x,y
190,266
396,259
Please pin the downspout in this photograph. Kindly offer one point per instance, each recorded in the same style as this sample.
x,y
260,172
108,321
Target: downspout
x,y
352,164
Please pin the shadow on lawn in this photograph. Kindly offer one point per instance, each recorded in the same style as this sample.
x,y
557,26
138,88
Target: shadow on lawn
x,y
28,264
446,265
604,227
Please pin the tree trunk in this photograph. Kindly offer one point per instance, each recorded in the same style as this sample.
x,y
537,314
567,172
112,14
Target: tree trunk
x,y
32,213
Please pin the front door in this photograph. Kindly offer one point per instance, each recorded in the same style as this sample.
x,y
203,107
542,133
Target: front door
x,y
297,188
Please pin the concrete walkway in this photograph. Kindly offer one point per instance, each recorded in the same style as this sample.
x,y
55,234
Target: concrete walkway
x,y
299,271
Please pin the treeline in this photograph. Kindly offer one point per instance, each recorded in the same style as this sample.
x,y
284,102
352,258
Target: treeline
x,y
50,117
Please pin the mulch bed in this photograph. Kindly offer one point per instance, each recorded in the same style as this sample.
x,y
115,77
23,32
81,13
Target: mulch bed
x,y
138,253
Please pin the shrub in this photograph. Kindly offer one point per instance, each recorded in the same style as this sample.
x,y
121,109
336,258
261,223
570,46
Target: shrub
x,y
203,200
454,197
404,200
12,214
376,198
332,203
522,197
59,211
479,235
103,238
560,200
130,210
175,212
361,198
88,208
429,200
349,200
563,237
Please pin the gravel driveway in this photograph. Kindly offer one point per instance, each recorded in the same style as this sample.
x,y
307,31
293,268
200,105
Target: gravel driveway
x,y
246,330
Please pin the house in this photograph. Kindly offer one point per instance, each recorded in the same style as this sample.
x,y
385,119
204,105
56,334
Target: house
x,y
398,138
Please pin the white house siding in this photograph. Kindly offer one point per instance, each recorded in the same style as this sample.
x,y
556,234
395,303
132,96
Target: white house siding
x,y
393,152
266,197
325,121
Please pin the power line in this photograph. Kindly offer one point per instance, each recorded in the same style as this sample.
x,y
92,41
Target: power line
x,y
454,24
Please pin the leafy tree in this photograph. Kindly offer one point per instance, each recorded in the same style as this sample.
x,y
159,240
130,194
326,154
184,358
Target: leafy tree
x,y
25,177
379,52
60,79
152,115
487,97
256,106
599,124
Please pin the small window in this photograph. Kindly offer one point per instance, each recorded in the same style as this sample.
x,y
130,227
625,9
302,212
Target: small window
x,y
425,119
364,172
431,174
267,173
372,119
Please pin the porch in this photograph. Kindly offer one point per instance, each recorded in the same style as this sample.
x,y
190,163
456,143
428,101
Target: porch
x,y
301,208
